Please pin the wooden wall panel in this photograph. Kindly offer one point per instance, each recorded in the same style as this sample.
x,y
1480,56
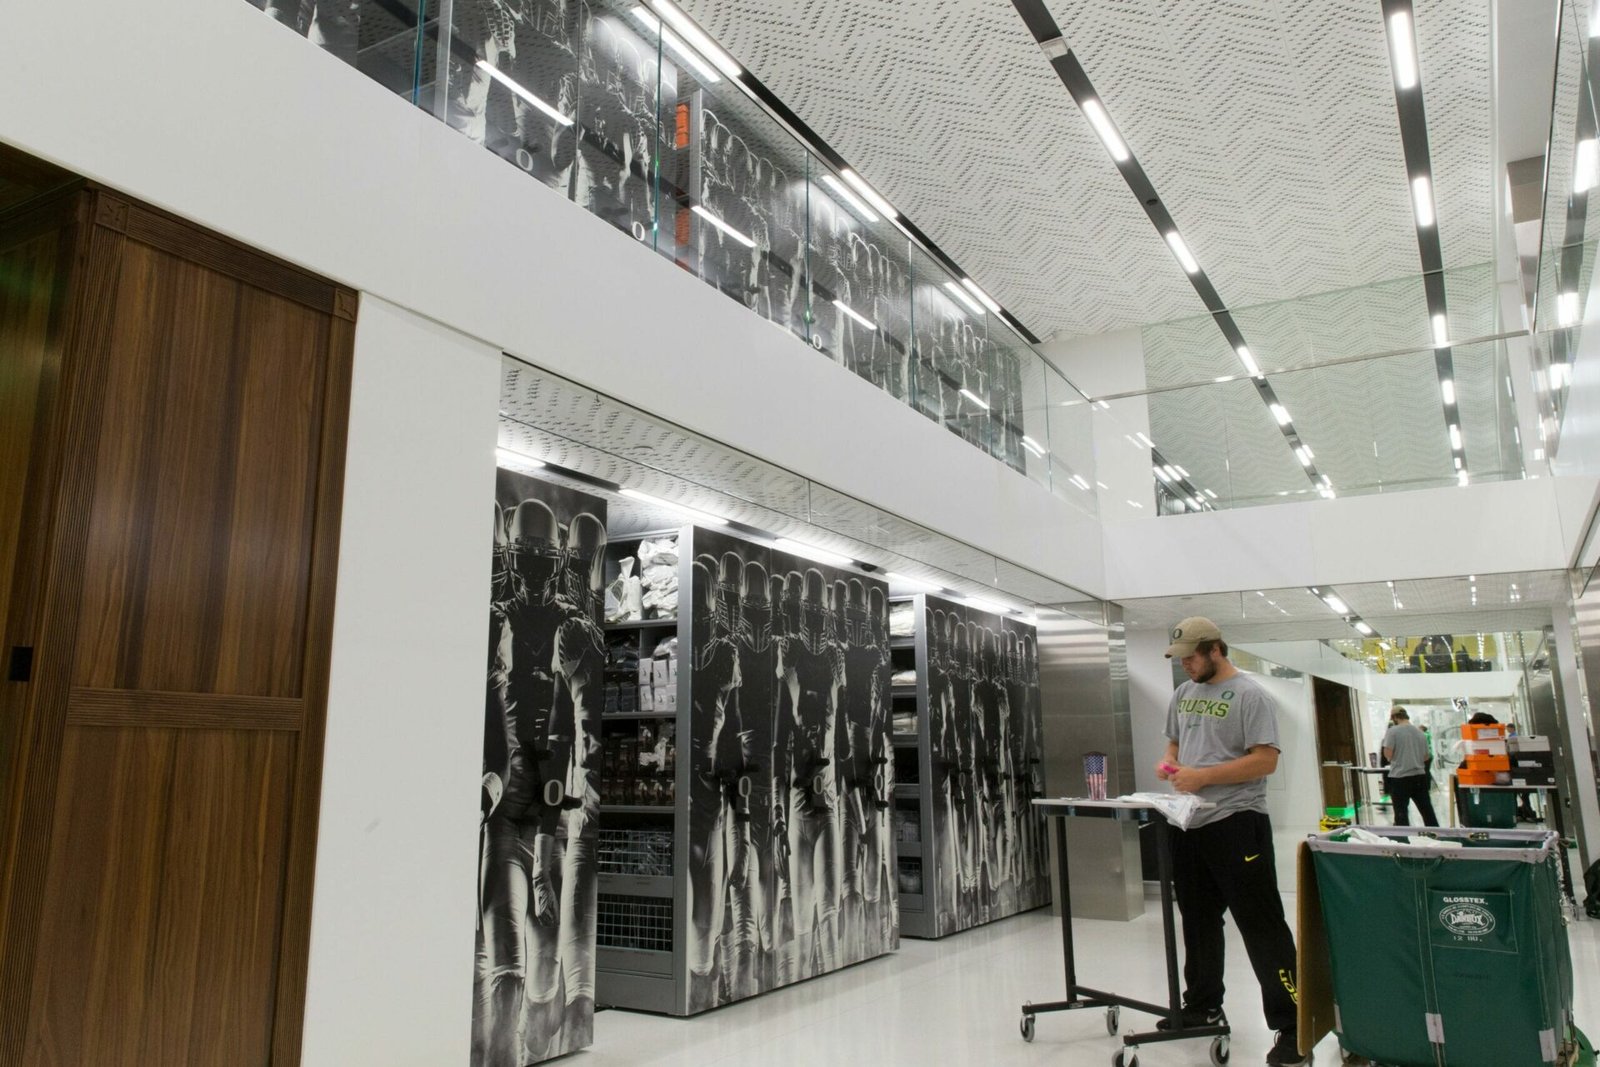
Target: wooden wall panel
x,y
206,522
162,831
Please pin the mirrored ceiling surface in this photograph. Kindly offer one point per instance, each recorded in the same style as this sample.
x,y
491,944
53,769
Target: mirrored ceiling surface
x,y
599,443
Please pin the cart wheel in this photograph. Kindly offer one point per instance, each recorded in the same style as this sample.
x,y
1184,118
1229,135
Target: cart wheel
x,y
1027,1028
1124,1058
1219,1050
1113,1020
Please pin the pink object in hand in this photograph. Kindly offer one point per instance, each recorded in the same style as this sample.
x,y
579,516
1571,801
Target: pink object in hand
x,y
1169,768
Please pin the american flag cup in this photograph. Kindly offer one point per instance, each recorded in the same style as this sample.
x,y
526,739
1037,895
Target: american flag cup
x,y
1094,774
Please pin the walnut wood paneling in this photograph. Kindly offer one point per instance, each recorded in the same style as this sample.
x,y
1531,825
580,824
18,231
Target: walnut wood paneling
x,y
165,885
162,826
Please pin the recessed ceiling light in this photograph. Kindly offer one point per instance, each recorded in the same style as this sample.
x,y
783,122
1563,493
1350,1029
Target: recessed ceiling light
x,y
1096,114
1280,413
1448,388
696,37
1422,200
1441,331
1303,456
1249,361
1583,166
1336,604
1181,252
983,298
706,72
871,195
854,314
704,516
508,458
1567,309
723,226
855,202
520,90
1455,437
1403,50
1461,479
1364,628
964,298
805,551
914,584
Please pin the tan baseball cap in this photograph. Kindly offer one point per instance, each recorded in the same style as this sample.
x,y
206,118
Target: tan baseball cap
x,y
1191,632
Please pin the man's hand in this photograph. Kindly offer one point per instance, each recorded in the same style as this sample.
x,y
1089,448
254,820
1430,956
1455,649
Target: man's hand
x,y
1190,779
1166,769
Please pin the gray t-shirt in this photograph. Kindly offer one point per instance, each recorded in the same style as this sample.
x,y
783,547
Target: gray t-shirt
x,y
1221,721
1410,746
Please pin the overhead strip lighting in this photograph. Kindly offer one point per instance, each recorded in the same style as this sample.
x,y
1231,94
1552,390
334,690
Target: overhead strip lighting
x,y
1249,361
1448,388
854,314
975,398
694,513
1103,128
1336,604
985,605
1180,251
916,585
1363,628
1441,331
1455,437
704,70
723,226
868,193
697,38
1403,50
1585,165
1303,456
983,298
812,552
843,192
1280,413
508,458
1567,309
964,297
519,89
1422,200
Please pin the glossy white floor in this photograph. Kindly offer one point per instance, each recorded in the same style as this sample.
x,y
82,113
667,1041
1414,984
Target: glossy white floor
x,y
957,1001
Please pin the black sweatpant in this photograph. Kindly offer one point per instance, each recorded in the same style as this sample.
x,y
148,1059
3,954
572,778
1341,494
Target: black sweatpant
x,y
1228,866
1408,790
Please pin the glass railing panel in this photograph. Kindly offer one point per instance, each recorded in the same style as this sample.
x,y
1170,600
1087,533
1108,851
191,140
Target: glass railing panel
x,y
1222,438
393,42
734,193
947,356
860,284
1072,458
1033,458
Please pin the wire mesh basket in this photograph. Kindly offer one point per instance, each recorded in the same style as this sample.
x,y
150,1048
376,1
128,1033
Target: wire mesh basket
x,y
635,851
634,922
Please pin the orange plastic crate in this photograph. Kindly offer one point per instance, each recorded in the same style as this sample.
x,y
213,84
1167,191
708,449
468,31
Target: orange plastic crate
x,y
1488,763
1475,777
1489,731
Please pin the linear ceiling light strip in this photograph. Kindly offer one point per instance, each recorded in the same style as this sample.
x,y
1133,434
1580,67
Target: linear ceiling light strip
x,y
1337,605
1400,29
1036,16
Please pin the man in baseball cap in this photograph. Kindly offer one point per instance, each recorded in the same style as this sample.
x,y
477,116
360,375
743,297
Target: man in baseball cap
x,y
1222,743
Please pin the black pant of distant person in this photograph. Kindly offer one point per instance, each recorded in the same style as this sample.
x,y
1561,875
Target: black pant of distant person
x,y
1228,866
1408,790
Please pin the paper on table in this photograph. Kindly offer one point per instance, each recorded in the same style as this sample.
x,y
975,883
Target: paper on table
x,y
1179,808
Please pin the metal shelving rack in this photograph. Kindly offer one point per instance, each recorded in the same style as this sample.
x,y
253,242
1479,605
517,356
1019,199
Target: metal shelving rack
x,y
916,913
640,959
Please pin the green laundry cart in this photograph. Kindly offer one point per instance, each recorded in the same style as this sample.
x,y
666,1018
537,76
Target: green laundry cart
x,y
1447,956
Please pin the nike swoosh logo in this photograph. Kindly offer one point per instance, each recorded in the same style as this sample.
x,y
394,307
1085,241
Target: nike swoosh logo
x,y
1257,856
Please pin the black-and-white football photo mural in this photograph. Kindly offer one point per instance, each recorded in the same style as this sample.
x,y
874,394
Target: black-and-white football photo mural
x,y
791,864
986,745
537,883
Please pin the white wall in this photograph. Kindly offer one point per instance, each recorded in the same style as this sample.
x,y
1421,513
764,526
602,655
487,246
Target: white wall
x,y
393,916
242,126
1149,692
1487,528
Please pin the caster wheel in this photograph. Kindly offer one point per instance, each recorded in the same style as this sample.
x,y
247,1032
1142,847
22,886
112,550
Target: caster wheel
x,y
1219,1051
1027,1028
1113,1021
1124,1058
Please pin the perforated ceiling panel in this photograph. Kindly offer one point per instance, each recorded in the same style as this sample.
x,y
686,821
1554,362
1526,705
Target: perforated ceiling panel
x,y
1268,128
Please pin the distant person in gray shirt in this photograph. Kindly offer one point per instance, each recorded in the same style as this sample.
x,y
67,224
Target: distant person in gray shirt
x,y
1406,748
1222,743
